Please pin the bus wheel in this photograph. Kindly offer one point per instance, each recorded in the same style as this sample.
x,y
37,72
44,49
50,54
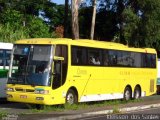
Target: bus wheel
x,y
71,97
137,93
39,107
127,94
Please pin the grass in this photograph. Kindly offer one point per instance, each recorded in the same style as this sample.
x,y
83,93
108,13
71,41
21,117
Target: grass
x,y
7,116
59,108
3,114
81,106
116,110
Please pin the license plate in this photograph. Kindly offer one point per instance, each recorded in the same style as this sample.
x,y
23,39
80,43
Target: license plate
x,y
23,96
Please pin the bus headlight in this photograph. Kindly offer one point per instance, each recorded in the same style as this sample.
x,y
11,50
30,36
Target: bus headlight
x,y
10,89
41,91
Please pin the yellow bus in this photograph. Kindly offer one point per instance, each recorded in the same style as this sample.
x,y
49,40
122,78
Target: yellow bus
x,y
59,71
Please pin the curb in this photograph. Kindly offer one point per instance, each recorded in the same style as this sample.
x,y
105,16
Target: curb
x,y
121,110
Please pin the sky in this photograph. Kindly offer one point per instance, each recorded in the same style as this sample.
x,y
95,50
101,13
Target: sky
x,y
58,1
61,1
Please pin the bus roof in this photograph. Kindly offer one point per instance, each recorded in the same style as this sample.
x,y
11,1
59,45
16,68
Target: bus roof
x,y
84,42
6,45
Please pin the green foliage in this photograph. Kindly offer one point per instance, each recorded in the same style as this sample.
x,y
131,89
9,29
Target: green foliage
x,y
135,22
3,114
21,19
81,106
131,27
142,23
55,14
150,22
12,17
37,28
116,110
9,34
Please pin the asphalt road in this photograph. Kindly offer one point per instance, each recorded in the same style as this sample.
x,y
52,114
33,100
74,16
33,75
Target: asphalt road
x,y
147,111
14,108
146,114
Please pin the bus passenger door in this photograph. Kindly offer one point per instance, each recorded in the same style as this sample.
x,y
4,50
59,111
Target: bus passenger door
x,y
57,79
60,66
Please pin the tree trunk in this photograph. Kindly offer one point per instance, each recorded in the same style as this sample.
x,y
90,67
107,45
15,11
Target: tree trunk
x,y
93,20
66,19
75,25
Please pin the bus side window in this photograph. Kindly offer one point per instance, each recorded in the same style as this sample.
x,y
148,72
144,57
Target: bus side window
x,y
106,58
94,56
1,58
78,55
1,62
113,57
7,57
153,61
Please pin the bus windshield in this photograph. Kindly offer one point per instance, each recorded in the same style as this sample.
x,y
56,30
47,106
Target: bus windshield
x,y
31,65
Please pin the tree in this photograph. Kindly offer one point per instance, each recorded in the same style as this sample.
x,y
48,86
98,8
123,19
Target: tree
x,y
21,19
66,19
120,19
93,20
75,24
105,25
9,34
142,23
13,17
85,17
36,28
131,28
150,23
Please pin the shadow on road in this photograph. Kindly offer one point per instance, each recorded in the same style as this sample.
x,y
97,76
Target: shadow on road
x,y
6,104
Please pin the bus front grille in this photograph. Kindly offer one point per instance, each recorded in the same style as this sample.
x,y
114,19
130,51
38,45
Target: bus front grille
x,y
29,90
19,89
24,90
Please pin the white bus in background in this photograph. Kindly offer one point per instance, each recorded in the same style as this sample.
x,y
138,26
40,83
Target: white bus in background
x,y
5,51
158,77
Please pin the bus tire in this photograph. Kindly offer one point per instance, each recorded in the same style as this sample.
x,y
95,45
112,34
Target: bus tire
x,y
71,97
39,107
127,94
137,92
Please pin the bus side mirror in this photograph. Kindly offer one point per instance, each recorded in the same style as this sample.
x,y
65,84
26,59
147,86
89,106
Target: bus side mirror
x,y
57,58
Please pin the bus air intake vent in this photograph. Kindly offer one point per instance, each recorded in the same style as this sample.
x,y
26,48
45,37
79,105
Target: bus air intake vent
x,y
19,89
29,90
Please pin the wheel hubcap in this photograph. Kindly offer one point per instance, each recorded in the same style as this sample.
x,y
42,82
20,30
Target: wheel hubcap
x,y
70,98
137,94
127,94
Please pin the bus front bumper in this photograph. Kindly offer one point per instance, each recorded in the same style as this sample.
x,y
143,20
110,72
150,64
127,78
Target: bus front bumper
x,y
31,98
